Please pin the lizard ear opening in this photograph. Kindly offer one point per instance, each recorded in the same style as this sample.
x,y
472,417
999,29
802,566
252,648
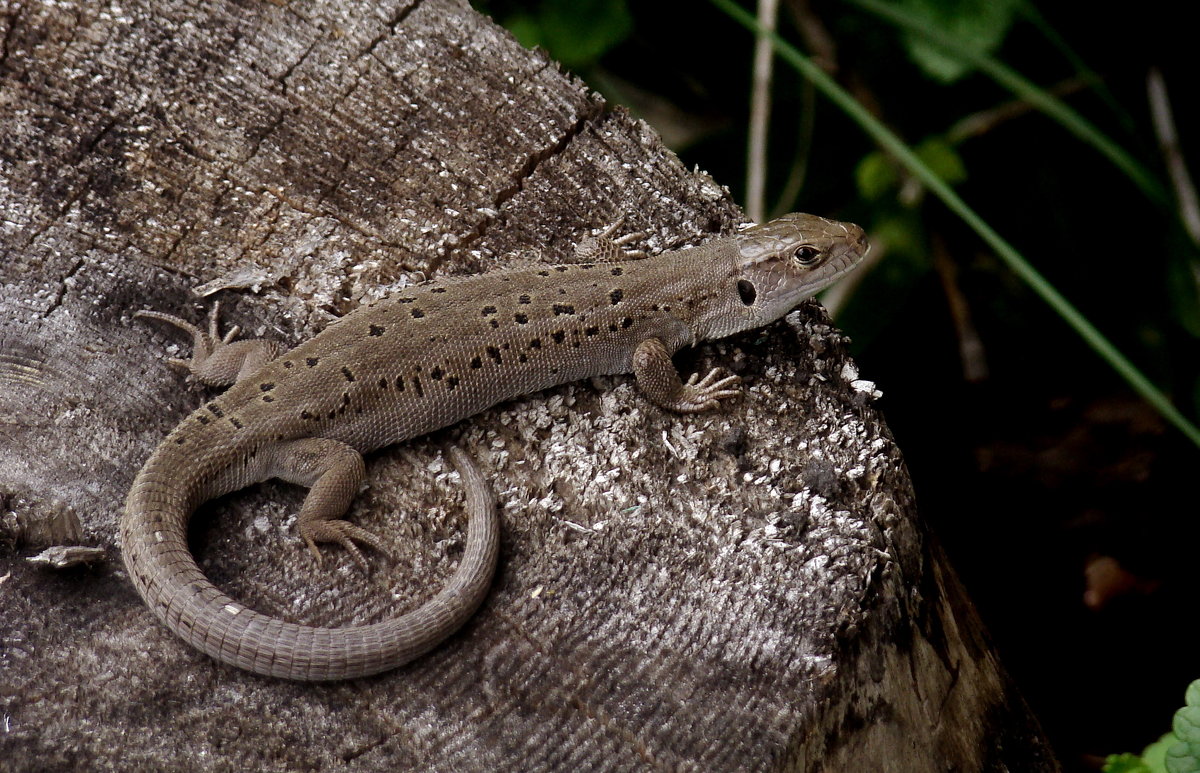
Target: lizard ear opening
x,y
747,291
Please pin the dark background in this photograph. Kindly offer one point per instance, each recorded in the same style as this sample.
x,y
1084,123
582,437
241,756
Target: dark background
x,y
1036,465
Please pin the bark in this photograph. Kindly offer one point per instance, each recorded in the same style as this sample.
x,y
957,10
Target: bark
x,y
744,590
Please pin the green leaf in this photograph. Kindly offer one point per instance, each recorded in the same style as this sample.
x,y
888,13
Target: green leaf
x,y
875,175
943,159
979,25
1192,696
1184,757
1180,760
1020,86
1155,755
1124,763
525,29
904,236
578,32
1187,725
1152,759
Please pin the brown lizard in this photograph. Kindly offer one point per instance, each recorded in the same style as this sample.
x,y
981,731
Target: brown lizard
x,y
424,358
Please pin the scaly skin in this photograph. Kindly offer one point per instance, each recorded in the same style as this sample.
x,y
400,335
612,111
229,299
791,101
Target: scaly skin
x,y
424,358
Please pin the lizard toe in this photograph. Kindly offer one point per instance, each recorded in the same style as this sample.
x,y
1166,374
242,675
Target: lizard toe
x,y
345,534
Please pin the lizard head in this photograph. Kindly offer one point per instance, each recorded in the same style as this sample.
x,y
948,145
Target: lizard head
x,y
780,263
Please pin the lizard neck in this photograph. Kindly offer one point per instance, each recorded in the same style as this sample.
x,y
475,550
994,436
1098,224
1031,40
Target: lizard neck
x,y
701,287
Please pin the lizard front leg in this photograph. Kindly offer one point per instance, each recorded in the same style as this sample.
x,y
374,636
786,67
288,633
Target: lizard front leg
x,y
659,381
218,360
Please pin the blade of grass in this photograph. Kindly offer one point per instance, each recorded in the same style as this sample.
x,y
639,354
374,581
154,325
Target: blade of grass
x,y
760,114
1095,82
1027,90
894,145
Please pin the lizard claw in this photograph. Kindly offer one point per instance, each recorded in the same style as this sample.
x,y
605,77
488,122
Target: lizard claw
x,y
217,360
345,534
603,248
703,394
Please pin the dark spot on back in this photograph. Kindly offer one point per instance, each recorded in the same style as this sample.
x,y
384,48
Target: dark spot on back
x,y
347,373
375,330
417,313
558,336
615,296
312,361
494,353
521,319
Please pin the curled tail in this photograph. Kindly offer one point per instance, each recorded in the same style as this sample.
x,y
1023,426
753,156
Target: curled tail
x,y
154,543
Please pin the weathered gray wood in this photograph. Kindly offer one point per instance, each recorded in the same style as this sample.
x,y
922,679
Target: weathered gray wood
x,y
742,591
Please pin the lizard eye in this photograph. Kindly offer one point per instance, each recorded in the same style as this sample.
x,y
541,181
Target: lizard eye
x,y
806,254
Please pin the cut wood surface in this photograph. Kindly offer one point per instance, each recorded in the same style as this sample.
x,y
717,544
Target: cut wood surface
x,y
743,590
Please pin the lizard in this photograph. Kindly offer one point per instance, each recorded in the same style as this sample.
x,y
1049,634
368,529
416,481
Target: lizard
x,y
420,359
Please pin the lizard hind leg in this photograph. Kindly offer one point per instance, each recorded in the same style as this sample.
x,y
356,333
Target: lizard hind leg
x,y
333,473
218,360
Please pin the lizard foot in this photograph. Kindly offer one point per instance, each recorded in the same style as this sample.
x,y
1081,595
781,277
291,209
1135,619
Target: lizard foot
x,y
603,248
703,394
345,534
217,360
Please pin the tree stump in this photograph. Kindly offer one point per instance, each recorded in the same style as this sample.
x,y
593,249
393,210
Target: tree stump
x,y
743,590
